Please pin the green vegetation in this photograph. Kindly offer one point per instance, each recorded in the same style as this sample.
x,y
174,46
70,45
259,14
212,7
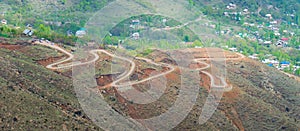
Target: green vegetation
x,y
8,32
297,72
52,21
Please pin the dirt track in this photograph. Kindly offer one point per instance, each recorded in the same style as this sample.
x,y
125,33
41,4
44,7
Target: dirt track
x,y
116,83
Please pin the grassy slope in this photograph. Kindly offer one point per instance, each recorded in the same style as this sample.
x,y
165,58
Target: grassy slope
x,y
269,100
37,97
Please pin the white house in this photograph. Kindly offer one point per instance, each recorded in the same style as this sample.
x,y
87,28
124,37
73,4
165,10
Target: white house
x,y
28,32
269,16
268,61
231,6
265,61
81,32
276,33
267,42
260,26
274,22
254,56
233,49
251,24
164,20
135,22
4,21
226,14
136,35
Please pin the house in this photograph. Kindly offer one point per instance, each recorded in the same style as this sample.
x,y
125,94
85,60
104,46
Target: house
x,y
269,16
225,47
296,68
285,39
281,43
276,33
29,26
91,43
135,35
231,6
233,49
266,61
285,64
4,22
69,33
73,49
274,22
81,32
260,26
252,24
274,63
254,56
270,65
275,28
246,12
28,32
292,33
246,23
135,22
226,14
267,43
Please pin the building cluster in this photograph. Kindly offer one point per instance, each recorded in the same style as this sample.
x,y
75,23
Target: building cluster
x,y
269,32
29,30
281,65
270,60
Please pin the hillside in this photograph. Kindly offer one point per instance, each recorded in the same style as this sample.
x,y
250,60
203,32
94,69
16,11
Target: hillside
x,y
33,96
162,70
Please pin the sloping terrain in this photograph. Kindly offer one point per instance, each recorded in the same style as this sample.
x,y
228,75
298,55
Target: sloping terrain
x,y
32,96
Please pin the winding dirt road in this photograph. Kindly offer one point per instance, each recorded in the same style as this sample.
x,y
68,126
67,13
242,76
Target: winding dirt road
x,y
116,83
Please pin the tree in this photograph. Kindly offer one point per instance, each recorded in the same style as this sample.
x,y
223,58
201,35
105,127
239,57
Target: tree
x,y
297,72
191,4
197,43
44,31
186,38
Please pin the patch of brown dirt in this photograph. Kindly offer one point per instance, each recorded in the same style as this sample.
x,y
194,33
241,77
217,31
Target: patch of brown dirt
x,y
67,73
232,114
173,76
11,47
205,81
49,60
105,80
232,95
147,72
229,98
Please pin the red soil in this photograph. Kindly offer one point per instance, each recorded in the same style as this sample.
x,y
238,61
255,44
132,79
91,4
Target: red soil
x,y
104,80
147,72
11,47
173,76
49,60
